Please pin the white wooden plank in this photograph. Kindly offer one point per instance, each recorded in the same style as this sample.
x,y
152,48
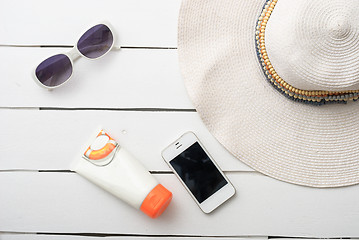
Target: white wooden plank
x,y
122,79
33,139
67,203
41,22
69,237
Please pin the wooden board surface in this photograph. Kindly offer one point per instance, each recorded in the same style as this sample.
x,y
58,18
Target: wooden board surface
x,y
149,23
113,81
137,94
143,133
262,207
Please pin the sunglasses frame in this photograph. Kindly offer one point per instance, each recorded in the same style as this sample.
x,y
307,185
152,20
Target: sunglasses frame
x,y
74,54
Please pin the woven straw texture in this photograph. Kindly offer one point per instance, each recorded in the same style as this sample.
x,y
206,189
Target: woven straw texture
x,y
298,143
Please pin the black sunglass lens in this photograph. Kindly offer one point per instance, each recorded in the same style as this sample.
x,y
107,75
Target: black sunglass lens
x,y
96,41
54,71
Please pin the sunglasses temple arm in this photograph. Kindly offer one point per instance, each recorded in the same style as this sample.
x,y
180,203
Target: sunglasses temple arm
x,y
116,48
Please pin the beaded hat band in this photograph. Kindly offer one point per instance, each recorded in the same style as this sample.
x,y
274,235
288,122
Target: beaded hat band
x,y
318,97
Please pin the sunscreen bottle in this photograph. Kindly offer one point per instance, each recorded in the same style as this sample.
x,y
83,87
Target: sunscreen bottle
x,y
105,163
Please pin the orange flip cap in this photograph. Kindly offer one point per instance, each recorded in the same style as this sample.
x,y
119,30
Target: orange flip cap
x,y
156,201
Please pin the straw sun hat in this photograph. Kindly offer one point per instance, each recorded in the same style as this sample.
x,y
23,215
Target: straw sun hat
x,y
276,82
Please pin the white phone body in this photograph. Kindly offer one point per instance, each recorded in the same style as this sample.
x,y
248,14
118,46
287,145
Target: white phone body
x,y
201,176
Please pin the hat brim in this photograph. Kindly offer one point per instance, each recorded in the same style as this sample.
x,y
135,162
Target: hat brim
x,y
307,145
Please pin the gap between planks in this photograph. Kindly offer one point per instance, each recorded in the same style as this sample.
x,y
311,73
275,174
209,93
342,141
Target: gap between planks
x,y
70,171
143,236
103,109
71,46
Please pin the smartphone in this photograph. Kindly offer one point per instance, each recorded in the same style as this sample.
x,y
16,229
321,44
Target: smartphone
x,y
198,172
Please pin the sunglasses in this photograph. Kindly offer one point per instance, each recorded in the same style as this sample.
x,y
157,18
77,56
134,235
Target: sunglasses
x,y
93,44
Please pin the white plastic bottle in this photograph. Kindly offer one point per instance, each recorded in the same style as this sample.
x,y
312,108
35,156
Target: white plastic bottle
x,y
112,168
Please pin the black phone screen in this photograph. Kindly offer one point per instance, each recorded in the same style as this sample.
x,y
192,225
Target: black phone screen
x,y
198,172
